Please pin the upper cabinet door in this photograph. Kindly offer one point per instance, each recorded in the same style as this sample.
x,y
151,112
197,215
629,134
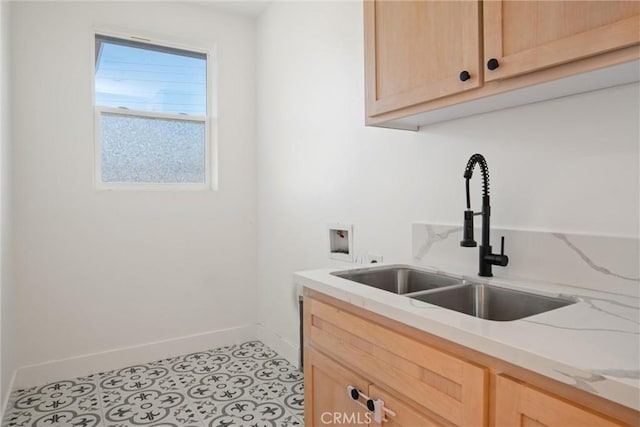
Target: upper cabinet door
x,y
417,51
524,36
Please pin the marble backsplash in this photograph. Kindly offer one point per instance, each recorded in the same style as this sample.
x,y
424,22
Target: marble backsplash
x,y
604,263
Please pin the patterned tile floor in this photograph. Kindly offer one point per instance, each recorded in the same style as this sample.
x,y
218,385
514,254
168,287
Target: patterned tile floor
x,y
240,385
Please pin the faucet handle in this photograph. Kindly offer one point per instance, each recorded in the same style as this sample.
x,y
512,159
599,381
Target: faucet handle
x,y
502,260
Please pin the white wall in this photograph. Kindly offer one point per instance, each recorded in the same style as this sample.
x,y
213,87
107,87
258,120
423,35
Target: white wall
x,y
100,270
97,271
569,164
7,367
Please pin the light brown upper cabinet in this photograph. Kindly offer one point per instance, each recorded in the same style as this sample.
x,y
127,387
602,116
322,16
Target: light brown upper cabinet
x,y
525,36
434,60
417,51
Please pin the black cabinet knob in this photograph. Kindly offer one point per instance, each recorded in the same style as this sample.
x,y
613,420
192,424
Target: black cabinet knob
x,y
492,64
354,394
370,405
464,76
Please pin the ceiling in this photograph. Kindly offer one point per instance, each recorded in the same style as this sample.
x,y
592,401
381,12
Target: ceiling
x,y
250,9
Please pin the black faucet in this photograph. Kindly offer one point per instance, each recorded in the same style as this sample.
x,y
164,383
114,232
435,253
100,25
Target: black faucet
x,y
487,259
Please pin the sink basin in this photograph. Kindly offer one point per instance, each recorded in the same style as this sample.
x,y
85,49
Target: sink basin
x,y
399,280
491,302
474,299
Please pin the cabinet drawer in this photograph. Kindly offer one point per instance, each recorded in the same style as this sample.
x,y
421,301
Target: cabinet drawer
x,y
518,404
444,385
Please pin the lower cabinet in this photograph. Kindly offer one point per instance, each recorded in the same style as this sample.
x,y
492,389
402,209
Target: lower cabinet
x,y
431,387
337,396
364,370
326,399
518,404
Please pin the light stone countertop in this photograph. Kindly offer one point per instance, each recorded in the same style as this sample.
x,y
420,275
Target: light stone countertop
x,y
593,344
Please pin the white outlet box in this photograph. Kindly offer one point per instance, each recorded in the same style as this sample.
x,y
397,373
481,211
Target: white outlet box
x,y
341,242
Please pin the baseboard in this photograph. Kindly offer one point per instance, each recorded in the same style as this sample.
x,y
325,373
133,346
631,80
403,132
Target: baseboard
x,y
57,370
281,345
5,401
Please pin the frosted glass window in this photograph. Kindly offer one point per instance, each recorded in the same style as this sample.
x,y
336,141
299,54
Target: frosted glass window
x,y
151,150
152,122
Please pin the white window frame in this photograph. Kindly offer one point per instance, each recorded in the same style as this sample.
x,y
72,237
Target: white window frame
x,y
210,123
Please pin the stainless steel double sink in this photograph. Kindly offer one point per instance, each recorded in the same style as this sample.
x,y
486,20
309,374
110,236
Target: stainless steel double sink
x,y
474,299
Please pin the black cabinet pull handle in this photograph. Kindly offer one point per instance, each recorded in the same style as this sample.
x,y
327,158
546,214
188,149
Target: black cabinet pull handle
x,y
380,412
371,405
492,64
355,394
464,76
